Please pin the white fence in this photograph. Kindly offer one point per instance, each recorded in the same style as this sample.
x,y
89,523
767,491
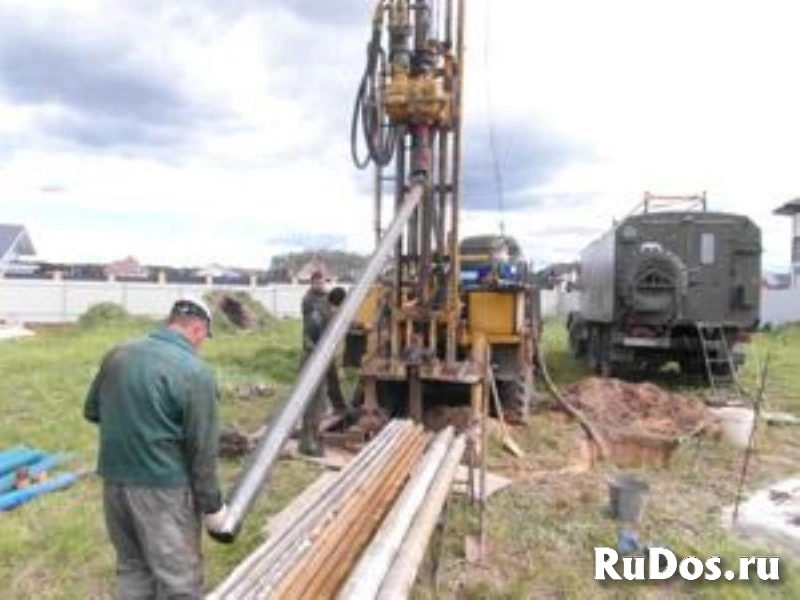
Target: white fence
x,y
58,301
53,301
777,306
780,306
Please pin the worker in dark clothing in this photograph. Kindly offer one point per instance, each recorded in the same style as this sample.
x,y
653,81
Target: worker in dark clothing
x,y
155,403
310,441
314,308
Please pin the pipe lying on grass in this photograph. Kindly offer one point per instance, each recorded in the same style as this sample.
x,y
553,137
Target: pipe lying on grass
x,y
267,564
60,481
399,579
364,580
46,463
19,459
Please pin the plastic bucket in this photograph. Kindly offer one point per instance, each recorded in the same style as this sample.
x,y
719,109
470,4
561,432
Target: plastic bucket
x,y
737,424
625,496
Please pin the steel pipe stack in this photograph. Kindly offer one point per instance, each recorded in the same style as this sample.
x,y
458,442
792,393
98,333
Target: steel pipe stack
x,y
351,539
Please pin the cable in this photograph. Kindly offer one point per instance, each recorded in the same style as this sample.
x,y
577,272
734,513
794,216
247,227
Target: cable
x,y
380,136
498,177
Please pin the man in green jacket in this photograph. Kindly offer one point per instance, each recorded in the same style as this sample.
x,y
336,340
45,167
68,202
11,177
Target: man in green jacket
x,y
310,442
315,309
155,402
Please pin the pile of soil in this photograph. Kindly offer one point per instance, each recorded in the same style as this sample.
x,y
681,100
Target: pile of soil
x,y
618,406
235,442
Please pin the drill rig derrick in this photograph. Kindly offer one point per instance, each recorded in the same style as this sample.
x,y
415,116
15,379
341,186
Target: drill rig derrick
x,y
405,339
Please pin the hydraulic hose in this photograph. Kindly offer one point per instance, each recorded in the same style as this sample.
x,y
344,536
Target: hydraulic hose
x,y
587,425
380,136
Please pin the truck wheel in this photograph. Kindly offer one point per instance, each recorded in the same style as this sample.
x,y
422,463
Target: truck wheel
x,y
593,350
515,397
577,343
605,365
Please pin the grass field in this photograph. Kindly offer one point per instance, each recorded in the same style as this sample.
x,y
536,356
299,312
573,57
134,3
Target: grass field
x,y
541,530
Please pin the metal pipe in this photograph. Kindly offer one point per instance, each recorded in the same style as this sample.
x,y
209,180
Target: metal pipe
x,y
378,203
254,475
401,575
287,558
365,579
441,180
458,108
258,564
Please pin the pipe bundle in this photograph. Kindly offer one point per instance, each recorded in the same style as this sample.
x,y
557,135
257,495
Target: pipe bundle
x,y
25,474
360,522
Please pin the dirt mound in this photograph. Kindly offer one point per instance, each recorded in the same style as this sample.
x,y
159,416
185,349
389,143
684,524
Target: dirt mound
x,y
235,311
639,423
617,405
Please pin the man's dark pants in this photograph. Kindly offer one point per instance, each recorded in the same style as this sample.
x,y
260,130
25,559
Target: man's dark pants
x,y
156,533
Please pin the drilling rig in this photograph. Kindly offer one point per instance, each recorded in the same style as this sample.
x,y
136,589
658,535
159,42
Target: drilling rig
x,y
431,318
442,305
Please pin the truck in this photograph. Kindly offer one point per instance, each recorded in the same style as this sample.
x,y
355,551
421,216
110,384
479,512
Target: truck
x,y
667,286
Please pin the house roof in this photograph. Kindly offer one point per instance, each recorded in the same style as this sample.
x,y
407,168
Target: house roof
x,y
16,238
790,208
126,267
315,264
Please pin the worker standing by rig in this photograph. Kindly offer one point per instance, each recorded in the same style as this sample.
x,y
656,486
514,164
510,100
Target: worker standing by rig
x,y
155,403
310,442
315,308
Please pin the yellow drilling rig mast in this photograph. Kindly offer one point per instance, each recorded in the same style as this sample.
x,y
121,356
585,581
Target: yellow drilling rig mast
x,y
443,305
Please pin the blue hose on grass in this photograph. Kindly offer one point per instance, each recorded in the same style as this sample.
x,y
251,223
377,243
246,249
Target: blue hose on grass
x,y
45,464
11,451
18,459
60,481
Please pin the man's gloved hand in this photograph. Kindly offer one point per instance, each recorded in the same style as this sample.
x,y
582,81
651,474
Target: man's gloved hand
x,y
215,521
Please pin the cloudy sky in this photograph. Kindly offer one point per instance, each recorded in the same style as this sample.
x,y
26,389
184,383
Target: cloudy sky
x,y
190,132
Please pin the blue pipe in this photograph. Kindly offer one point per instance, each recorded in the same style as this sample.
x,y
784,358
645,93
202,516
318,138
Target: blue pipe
x,y
46,463
19,459
18,497
12,451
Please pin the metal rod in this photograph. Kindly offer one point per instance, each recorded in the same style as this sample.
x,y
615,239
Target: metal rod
x,y
401,575
458,107
378,203
256,565
482,472
255,473
441,180
365,579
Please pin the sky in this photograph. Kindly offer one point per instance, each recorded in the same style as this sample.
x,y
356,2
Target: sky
x,y
197,132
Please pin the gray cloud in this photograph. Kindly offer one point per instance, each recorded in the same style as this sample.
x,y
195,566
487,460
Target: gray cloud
x,y
340,12
527,155
109,95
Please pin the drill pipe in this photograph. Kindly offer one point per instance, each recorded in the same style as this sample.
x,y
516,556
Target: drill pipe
x,y
260,462
284,557
265,562
363,581
399,578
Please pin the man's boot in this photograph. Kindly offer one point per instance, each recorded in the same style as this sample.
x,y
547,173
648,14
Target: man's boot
x,y
310,441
